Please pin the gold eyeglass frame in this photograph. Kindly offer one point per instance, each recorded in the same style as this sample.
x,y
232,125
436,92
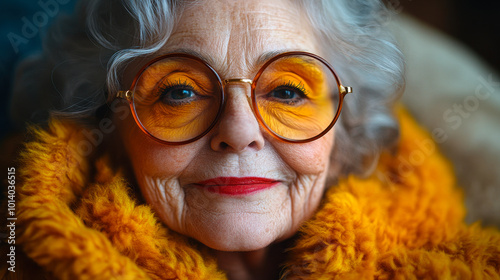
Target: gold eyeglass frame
x,y
128,95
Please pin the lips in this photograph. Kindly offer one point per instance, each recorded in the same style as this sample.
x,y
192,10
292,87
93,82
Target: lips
x,y
237,185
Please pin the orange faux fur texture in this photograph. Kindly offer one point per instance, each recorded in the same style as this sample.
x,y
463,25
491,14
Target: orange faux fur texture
x,y
403,222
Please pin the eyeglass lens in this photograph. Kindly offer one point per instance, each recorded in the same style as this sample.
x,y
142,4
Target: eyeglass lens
x,y
179,98
297,97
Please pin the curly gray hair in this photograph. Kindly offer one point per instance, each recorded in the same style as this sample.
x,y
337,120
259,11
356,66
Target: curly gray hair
x,y
85,55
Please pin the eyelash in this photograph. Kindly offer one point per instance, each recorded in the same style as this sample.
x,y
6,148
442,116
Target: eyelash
x,y
164,88
173,85
298,86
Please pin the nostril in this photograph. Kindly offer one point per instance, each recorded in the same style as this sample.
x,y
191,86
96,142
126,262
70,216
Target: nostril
x,y
223,145
253,145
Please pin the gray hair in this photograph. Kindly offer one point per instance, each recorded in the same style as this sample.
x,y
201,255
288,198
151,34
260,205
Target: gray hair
x,y
84,56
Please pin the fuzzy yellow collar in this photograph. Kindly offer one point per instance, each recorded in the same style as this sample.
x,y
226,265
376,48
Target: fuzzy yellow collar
x,y
405,219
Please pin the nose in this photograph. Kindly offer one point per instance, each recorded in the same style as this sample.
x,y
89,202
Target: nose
x,y
238,129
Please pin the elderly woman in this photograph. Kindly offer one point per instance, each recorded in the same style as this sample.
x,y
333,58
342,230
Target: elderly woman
x,y
232,139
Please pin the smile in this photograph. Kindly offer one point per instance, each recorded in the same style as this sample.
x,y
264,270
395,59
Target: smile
x,y
237,185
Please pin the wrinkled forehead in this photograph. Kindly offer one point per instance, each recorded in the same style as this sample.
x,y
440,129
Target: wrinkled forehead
x,y
236,36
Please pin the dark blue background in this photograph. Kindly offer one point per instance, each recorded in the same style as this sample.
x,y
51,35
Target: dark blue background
x,y
11,14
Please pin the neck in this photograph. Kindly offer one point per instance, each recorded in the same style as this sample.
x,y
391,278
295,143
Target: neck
x,y
261,264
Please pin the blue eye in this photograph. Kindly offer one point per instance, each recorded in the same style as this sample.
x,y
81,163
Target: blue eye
x,y
177,94
287,94
284,94
180,94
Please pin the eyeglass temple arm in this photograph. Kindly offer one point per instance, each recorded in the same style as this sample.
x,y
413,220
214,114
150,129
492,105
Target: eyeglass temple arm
x,y
124,94
345,90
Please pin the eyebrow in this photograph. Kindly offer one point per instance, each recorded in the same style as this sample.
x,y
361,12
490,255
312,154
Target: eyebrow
x,y
255,65
268,55
203,56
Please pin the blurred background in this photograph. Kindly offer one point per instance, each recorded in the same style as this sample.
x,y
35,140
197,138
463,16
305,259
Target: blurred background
x,y
22,25
473,23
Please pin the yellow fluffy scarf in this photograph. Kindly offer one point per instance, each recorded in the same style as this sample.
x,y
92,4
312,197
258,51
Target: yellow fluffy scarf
x,y
403,222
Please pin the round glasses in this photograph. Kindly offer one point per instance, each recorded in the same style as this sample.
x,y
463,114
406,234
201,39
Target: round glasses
x,y
178,98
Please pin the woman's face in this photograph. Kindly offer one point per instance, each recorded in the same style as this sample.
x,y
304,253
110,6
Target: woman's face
x,y
238,188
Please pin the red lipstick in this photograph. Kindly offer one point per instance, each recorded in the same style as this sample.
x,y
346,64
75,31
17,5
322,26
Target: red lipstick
x,y
237,185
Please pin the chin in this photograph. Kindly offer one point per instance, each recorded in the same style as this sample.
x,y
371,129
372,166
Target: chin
x,y
244,232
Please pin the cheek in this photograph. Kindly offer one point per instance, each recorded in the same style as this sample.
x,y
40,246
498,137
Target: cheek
x,y
311,158
310,162
152,158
